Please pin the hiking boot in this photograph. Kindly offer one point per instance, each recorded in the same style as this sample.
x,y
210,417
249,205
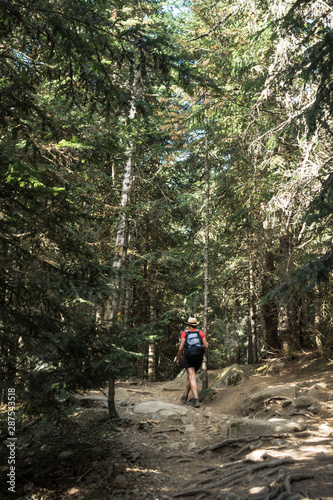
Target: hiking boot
x,y
183,399
196,403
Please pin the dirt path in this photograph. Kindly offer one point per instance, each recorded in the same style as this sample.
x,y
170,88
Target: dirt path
x,y
161,449
189,456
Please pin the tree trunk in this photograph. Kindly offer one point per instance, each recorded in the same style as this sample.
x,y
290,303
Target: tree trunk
x,y
318,321
227,329
141,363
152,362
252,333
285,321
269,313
111,402
250,357
206,278
153,315
114,308
303,321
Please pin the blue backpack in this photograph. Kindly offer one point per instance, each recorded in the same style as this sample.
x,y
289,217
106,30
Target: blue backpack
x,y
194,348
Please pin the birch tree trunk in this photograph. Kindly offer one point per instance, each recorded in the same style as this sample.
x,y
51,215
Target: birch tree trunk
x,y
122,238
114,308
317,321
153,316
206,276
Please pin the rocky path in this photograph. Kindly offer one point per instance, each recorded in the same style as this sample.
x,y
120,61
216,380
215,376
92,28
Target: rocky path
x,y
270,437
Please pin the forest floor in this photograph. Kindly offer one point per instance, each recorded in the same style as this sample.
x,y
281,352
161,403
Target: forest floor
x,y
156,456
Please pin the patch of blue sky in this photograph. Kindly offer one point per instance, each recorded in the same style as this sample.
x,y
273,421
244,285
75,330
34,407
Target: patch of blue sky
x,y
176,7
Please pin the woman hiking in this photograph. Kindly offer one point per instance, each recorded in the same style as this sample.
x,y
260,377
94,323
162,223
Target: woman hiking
x,y
192,344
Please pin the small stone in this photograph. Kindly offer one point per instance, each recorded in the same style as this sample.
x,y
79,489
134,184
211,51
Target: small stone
x,y
278,442
190,428
120,481
303,402
65,455
174,446
118,467
314,409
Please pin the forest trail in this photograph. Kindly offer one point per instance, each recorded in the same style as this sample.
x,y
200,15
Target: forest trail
x,y
160,449
188,455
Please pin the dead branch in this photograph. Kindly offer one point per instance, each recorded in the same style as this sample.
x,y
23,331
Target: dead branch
x,y
137,391
171,429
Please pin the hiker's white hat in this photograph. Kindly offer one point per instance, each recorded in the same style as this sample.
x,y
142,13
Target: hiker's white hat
x,y
192,321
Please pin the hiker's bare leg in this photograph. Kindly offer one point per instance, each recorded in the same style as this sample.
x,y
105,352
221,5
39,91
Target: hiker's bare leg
x,y
192,379
187,386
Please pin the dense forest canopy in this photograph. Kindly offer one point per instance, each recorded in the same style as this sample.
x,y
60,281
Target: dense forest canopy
x,y
157,162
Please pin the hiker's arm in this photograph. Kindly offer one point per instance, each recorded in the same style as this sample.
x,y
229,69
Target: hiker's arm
x,y
205,343
180,350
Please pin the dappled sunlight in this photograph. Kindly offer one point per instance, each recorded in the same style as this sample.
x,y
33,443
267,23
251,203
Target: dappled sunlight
x,y
256,490
147,455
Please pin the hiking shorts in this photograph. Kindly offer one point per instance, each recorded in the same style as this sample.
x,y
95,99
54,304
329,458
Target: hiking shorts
x,y
192,363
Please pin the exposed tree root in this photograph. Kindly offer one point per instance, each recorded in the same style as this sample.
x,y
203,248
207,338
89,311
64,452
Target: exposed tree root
x,y
242,450
232,441
295,477
201,496
235,476
191,493
179,455
274,490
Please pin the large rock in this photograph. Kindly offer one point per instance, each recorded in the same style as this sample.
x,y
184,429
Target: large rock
x,y
161,408
230,376
248,427
255,401
178,384
272,368
317,391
